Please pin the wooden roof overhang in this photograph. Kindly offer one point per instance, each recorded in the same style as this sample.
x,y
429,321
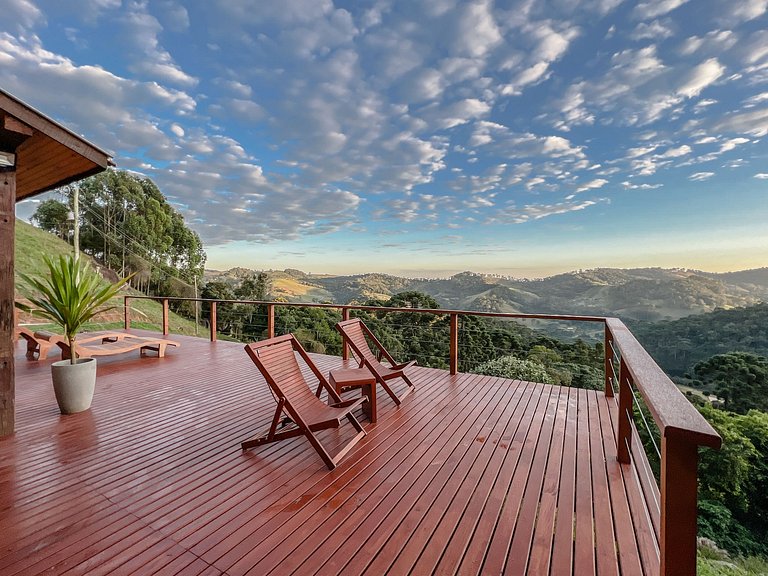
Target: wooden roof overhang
x,y
47,155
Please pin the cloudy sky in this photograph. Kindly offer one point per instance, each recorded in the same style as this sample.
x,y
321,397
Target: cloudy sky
x,y
423,138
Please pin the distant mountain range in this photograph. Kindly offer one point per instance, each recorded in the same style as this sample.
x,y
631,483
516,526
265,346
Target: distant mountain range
x,y
648,294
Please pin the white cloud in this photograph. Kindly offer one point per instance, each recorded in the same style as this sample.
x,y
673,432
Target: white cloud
x,y
477,31
645,186
753,101
178,130
754,123
152,60
761,176
592,185
656,30
538,211
701,176
743,11
19,15
729,145
700,77
655,8
714,43
676,152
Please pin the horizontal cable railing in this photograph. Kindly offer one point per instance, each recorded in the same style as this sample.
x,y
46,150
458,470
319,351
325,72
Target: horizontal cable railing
x,y
672,425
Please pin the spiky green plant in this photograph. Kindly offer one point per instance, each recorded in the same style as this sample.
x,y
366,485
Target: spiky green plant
x,y
71,295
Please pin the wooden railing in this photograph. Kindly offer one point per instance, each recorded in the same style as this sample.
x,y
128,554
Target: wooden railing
x,y
682,429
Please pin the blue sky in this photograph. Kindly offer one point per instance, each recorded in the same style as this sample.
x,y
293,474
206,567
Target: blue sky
x,y
423,138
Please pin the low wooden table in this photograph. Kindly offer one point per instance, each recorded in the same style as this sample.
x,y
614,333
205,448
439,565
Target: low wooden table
x,y
356,378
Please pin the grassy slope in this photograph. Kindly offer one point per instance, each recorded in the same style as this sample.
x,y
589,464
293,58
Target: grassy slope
x,y
32,243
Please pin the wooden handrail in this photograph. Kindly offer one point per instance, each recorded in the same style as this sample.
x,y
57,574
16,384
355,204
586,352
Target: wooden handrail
x,y
671,410
435,311
683,429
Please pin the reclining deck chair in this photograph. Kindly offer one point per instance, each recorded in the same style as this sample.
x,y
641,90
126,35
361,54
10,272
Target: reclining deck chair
x,y
354,332
276,359
38,342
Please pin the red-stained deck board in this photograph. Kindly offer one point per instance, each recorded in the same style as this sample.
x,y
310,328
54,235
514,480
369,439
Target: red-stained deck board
x,y
471,475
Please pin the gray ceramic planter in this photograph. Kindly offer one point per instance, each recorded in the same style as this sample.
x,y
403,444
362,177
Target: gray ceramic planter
x,y
74,384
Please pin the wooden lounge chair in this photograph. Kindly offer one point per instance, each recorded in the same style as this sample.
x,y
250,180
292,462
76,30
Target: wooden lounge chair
x,y
276,359
39,342
115,343
355,332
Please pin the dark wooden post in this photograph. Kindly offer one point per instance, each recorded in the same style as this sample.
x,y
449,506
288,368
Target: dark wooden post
x,y
126,313
608,354
625,413
213,321
165,316
7,283
679,461
270,320
454,345
344,345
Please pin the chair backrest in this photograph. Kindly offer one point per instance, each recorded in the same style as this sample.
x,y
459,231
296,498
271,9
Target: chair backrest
x,y
276,359
353,330
357,334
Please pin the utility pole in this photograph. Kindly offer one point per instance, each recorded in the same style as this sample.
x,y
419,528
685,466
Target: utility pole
x,y
76,217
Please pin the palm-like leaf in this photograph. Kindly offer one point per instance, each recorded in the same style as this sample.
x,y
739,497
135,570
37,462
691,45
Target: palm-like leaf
x,y
71,295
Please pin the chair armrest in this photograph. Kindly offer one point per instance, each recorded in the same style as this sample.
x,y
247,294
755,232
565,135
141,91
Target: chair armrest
x,y
353,403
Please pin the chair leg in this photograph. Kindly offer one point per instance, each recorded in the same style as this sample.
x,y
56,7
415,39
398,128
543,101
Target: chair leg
x,y
389,391
330,462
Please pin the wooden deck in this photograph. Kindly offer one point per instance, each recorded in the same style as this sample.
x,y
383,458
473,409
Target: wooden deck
x,y
471,475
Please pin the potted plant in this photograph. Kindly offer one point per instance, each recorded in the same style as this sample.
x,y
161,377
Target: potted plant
x,y
70,296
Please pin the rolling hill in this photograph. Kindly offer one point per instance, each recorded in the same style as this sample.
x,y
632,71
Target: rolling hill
x,y
647,294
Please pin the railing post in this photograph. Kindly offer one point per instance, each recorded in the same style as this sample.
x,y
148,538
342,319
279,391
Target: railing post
x,y
165,316
454,344
344,345
126,313
270,320
624,438
608,354
679,461
213,322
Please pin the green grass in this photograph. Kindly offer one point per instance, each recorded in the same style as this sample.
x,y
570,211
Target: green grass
x,y
716,562
32,243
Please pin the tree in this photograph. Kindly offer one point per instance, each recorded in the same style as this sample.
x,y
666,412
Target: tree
x,y
516,369
53,216
733,483
740,378
128,225
224,316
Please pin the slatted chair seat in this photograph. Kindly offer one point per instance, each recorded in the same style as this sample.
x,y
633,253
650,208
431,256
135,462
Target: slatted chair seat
x,y
357,335
296,402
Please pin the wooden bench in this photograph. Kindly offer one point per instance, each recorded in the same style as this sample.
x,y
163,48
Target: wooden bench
x,y
117,343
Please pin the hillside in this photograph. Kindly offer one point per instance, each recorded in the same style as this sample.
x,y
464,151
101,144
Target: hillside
x,y
648,294
32,243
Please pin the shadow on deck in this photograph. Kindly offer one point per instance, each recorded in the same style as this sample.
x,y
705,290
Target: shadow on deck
x,y
471,475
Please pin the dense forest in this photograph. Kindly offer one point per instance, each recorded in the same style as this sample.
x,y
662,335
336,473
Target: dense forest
x,y
678,345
